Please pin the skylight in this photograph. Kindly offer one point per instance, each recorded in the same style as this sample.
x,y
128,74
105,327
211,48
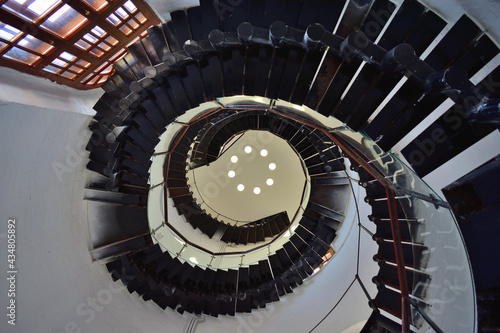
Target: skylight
x,y
7,32
66,42
40,6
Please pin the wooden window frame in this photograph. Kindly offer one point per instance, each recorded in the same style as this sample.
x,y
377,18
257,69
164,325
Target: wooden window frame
x,y
67,44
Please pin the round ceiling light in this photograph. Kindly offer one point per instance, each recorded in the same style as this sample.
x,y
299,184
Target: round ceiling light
x,y
263,153
272,166
270,182
231,174
248,149
256,190
240,187
234,159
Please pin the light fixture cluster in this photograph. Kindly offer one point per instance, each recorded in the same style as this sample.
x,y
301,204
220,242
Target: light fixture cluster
x,y
232,174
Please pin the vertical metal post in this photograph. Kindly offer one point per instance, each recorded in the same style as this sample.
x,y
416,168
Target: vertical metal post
x,y
398,250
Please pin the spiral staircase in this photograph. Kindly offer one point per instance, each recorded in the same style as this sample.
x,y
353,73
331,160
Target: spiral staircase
x,y
342,82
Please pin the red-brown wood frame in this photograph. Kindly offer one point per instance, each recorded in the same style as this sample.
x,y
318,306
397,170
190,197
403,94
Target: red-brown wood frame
x,y
94,19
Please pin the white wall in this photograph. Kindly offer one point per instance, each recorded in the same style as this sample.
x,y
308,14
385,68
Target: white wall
x,y
56,277
164,8
27,89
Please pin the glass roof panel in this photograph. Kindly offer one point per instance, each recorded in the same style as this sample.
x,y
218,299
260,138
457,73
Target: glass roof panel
x,y
64,21
31,10
21,56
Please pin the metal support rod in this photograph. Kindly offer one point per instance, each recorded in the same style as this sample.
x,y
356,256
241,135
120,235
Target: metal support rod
x,y
398,250
364,288
368,231
183,247
154,186
424,315
160,153
436,202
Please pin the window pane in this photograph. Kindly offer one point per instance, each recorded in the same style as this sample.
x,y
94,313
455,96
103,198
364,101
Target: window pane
x,y
96,52
83,45
111,40
76,69
134,24
41,6
91,39
107,70
2,45
130,6
68,75
33,11
52,69
98,31
35,45
122,13
133,41
126,30
21,56
98,5
83,63
64,22
117,54
93,81
104,46
113,19
141,18
7,32
100,68
60,63
67,56
87,77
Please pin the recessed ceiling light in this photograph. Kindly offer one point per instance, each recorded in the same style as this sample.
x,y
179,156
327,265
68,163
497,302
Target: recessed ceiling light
x,y
272,166
256,190
240,187
234,159
263,153
270,182
248,149
231,174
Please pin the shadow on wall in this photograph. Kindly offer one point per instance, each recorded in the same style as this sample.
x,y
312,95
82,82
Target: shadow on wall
x,y
20,88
